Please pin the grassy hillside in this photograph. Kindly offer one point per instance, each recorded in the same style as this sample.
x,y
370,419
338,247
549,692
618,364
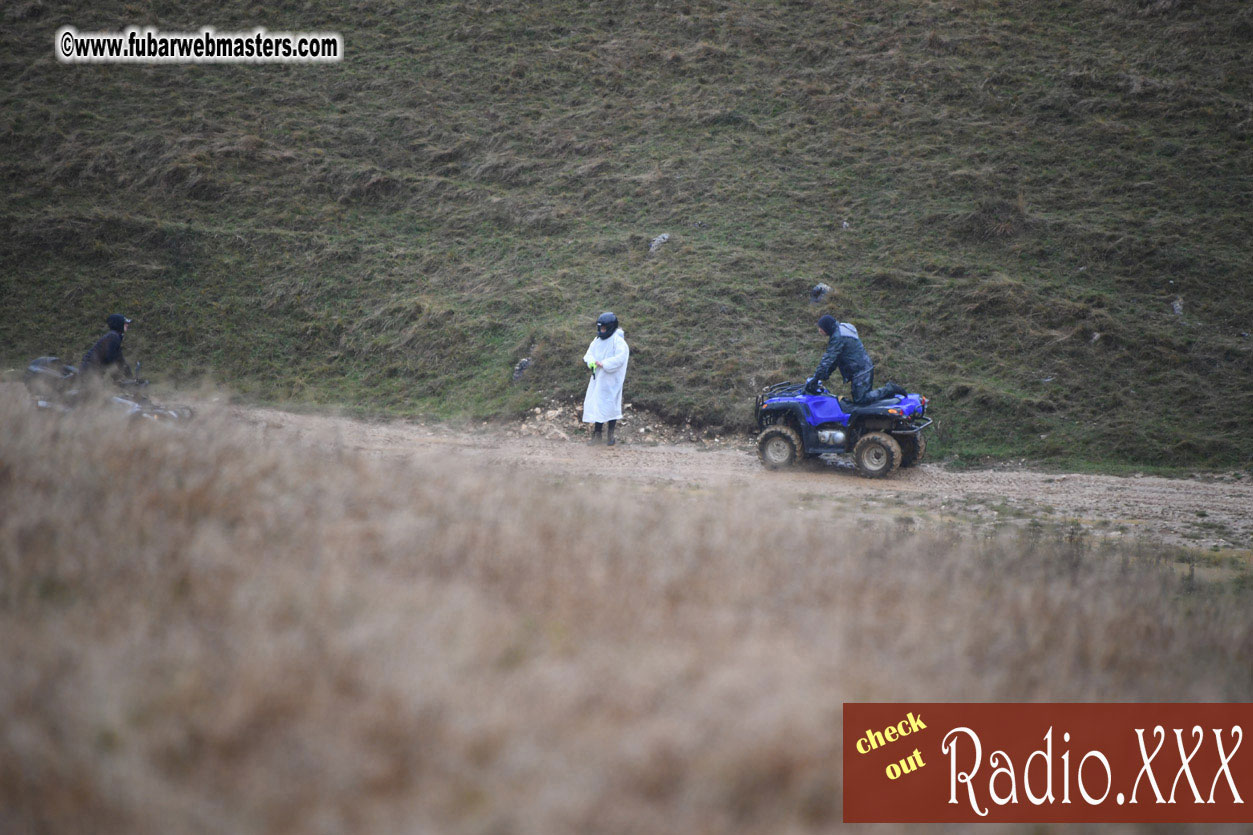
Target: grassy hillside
x,y
1028,188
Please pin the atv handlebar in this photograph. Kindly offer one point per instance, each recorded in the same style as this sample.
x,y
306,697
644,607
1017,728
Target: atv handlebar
x,y
812,386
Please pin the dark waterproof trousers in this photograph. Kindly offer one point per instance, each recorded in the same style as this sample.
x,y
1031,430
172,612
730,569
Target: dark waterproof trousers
x,y
863,393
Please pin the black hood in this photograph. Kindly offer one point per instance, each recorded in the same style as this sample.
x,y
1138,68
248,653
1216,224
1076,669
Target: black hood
x,y
117,322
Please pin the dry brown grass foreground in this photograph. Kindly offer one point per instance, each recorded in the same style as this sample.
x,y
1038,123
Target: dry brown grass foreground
x,y
202,633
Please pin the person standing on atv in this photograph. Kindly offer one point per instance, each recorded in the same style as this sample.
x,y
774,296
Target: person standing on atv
x,y
845,352
606,358
106,355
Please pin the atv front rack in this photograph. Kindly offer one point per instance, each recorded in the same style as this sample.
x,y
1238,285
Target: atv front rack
x,y
776,390
779,390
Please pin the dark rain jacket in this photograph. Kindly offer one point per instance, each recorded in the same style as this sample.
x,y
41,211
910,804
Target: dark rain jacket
x,y
105,353
845,352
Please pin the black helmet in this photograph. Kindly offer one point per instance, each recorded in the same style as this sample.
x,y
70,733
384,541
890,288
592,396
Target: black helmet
x,y
117,322
606,324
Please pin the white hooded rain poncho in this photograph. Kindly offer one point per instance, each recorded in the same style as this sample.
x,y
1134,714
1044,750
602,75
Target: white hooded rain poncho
x,y
604,391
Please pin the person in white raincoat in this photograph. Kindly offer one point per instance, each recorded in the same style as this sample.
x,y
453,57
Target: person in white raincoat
x,y
607,359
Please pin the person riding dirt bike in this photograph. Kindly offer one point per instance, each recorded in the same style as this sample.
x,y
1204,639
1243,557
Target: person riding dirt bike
x,y
105,356
845,352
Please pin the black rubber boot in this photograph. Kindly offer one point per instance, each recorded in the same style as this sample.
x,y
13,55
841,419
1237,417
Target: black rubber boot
x,y
596,434
612,425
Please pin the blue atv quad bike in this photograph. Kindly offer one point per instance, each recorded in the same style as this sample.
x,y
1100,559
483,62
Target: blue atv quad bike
x,y
882,435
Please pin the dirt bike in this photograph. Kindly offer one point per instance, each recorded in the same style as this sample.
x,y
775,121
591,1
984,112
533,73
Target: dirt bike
x,y
58,387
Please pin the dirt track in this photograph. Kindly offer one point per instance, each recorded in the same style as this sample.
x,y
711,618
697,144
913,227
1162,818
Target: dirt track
x,y
1201,512
1205,512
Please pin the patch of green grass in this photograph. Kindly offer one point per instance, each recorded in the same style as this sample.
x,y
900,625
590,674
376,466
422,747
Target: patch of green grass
x,y
1010,511
1027,190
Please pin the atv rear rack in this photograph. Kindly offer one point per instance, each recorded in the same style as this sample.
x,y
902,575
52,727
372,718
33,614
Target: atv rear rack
x,y
912,428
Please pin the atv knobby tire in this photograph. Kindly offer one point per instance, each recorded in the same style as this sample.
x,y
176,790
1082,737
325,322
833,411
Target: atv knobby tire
x,y
913,448
779,447
876,455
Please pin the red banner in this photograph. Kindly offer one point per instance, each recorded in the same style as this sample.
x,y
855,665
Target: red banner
x,y
1066,763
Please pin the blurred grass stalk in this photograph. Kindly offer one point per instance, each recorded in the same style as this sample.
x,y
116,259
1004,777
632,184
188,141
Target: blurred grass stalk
x,y
206,630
